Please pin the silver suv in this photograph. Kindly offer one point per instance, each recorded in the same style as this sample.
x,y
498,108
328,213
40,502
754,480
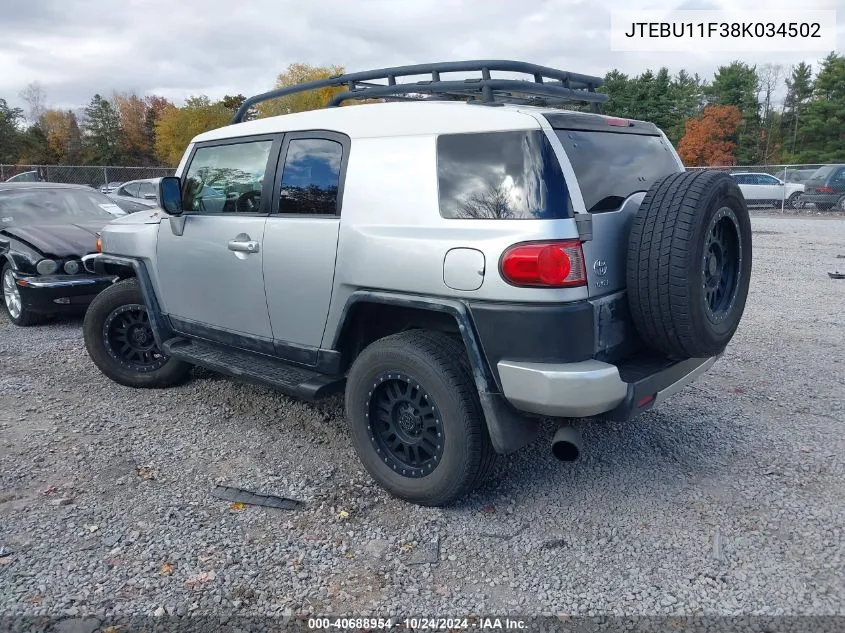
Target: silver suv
x,y
462,259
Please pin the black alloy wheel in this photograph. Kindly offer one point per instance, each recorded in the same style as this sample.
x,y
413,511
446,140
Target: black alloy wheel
x,y
129,339
405,425
722,264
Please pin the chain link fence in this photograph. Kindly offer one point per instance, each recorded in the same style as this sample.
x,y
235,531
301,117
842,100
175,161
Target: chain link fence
x,y
91,175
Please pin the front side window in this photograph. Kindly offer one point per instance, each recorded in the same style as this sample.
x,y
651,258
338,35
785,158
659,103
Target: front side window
x,y
767,180
226,178
500,175
311,177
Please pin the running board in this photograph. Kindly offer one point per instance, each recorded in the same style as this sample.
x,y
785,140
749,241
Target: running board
x,y
291,380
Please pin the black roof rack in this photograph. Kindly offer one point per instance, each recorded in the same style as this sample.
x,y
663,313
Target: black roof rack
x,y
547,86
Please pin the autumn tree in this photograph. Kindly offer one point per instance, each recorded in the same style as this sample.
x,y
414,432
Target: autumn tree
x,y
175,127
63,136
135,146
737,85
302,101
707,140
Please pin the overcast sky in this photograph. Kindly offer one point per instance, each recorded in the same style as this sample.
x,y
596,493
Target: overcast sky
x,y
178,48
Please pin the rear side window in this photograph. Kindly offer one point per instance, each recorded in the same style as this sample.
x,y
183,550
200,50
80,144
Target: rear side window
x,y
611,166
500,175
311,177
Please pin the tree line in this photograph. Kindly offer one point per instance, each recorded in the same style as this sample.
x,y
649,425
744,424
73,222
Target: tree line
x,y
736,117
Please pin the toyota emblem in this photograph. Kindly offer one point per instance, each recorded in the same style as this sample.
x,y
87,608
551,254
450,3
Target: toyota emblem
x,y
600,266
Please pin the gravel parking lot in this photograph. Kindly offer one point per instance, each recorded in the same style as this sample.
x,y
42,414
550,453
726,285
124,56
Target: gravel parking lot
x,y
727,500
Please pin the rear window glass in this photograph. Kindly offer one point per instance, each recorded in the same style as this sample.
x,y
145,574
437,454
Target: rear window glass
x,y
610,167
500,175
823,172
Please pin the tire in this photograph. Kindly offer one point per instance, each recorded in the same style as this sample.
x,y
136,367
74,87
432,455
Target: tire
x,y
115,321
823,206
792,200
689,264
432,368
840,204
15,310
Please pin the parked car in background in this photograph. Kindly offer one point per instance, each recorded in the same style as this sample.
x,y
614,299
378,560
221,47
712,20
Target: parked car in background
x,y
826,188
26,176
109,187
137,195
765,189
45,230
796,175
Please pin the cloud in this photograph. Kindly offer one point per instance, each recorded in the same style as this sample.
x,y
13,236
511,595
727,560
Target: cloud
x,y
215,47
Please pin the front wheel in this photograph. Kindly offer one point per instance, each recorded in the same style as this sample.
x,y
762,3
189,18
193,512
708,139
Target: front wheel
x,y
415,419
120,341
792,200
12,302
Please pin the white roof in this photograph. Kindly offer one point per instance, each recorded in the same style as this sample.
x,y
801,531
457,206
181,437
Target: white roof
x,y
390,119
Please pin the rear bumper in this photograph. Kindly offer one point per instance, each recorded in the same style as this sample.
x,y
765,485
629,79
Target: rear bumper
x,y
820,198
592,387
50,294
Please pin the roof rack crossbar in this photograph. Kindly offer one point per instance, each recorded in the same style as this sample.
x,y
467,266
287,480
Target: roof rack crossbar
x,y
558,85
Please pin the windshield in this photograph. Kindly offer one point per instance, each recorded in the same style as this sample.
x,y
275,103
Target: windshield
x,y
53,206
609,167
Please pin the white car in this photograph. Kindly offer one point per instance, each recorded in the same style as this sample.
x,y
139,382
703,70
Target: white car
x,y
767,190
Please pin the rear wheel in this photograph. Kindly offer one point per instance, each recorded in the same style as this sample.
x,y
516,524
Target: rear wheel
x,y
120,341
689,263
415,419
840,204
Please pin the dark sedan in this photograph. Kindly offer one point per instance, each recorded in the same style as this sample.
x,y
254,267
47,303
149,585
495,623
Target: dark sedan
x,y
45,230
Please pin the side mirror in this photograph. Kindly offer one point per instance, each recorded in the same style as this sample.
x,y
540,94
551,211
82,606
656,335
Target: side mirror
x,y
170,195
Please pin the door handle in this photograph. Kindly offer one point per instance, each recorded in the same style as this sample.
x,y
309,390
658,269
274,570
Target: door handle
x,y
238,246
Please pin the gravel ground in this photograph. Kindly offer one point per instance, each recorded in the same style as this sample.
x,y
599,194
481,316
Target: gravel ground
x,y
727,500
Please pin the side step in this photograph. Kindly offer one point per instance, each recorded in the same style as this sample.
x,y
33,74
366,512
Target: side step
x,y
291,380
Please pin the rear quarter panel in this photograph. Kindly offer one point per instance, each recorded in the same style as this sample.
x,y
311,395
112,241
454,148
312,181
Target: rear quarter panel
x,y
393,238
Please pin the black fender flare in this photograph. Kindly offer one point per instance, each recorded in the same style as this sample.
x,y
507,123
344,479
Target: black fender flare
x,y
509,429
106,263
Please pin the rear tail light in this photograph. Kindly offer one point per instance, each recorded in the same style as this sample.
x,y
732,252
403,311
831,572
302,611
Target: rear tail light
x,y
824,189
619,122
545,264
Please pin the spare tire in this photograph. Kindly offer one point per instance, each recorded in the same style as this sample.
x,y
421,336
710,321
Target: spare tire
x,y
689,263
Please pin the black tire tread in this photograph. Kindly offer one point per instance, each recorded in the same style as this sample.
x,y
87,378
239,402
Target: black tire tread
x,y
658,251
447,358
127,291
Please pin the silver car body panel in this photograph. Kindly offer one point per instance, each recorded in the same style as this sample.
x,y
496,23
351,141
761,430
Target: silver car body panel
x,y
299,269
576,390
202,281
390,238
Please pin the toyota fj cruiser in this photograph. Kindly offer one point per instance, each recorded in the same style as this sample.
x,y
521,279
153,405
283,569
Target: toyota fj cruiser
x,y
463,258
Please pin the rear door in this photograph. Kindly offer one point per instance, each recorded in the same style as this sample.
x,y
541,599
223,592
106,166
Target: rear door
x,y
614,166
301,240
